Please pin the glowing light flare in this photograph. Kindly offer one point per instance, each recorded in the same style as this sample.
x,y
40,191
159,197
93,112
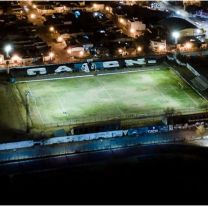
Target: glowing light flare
x,y
51,29
81,53
139,49
188,45
32,16
16,58
60,39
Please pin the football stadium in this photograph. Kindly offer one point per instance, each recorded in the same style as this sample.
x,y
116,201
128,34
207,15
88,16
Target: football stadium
x,y
74,100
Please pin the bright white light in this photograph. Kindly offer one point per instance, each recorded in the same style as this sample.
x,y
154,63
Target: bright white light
x,y
188,45
26,8
51,29
107,8
120,50
121,20
178,12
8,48
198,31
132,30
69,51
139,48
51,55
176,34
16,58
95,6
81,53
161,48
32,16
60,39
34,6
95,14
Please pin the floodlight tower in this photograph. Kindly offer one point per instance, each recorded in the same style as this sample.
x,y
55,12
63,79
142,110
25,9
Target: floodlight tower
x,y
8,48
176,35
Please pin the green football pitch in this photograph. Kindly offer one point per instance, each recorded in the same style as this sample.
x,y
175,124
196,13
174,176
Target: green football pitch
x,y
106,96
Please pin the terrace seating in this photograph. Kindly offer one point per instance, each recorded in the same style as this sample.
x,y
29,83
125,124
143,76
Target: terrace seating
x,y
200,83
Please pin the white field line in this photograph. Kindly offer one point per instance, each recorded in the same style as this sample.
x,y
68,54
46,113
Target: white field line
x,y
41,118
61,107
88,75
187,94
117,107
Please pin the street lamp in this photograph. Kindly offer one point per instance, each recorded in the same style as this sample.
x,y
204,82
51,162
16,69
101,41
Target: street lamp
x,y
176,35
51,55
51,29
32,16
139,49
60,39
8,48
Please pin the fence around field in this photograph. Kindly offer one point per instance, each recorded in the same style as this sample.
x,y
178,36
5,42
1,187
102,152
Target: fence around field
x,y
133,116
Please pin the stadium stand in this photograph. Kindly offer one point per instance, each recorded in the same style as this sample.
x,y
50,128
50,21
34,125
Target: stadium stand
x,y
195,72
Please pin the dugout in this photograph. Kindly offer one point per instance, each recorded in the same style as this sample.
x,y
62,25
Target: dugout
x,y
99,127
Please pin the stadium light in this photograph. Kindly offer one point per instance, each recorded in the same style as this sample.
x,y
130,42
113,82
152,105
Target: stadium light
x,y
8,48
176,35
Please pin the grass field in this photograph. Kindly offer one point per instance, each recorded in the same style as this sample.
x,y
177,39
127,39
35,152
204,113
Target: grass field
x,y
59,101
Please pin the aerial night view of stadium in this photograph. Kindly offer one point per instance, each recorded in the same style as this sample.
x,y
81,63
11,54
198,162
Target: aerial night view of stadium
x,y
102,97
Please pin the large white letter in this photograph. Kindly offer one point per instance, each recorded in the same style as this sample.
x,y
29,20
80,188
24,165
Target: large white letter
x,y
36,71
63,69
131,62
153,61
111,64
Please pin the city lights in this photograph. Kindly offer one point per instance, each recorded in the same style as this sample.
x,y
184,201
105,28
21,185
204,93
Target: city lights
x,y
161,48
95,6
60,39
81,53
107,8
51,54
132,30
34,6
32,16
139,49
16,58
121,20
51,29
69,51
188,45
120,50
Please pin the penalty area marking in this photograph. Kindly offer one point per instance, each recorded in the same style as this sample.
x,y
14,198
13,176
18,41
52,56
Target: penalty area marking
x,y
41,118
